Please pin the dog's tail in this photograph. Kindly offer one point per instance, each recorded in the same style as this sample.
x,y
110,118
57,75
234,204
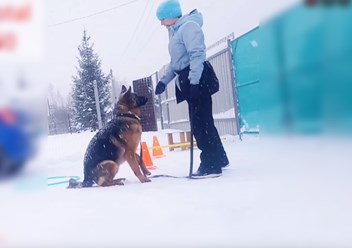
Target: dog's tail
x,y
74,184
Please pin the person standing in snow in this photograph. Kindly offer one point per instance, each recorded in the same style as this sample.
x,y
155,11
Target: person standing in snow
x,y
196,81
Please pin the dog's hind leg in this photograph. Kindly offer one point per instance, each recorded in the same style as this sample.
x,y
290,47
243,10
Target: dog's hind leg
x,y
119,181
105,172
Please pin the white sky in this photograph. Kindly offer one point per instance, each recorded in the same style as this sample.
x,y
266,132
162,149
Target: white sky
x,y
129,40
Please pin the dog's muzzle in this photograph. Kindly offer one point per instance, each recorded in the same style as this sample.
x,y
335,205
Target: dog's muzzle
x,y
142,101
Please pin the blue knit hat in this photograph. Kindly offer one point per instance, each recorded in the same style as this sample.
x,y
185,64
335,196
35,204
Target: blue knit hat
x,y
169,9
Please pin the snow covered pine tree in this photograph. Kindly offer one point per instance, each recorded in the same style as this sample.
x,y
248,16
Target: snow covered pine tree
x,y
83,101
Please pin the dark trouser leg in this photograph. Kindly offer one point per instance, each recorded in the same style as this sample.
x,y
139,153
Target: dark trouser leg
x,y
208,140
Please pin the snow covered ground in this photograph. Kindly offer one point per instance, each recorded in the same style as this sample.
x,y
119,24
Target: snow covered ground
x,y
278,192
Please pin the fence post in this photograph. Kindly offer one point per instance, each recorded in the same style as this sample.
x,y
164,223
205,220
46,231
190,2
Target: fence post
x,y
234,88
97,104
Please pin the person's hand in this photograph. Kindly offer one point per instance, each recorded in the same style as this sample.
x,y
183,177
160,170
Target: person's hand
x,y
160,88
194,93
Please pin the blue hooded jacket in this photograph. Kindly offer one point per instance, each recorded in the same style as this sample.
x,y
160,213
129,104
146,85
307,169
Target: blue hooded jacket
x,y
186,47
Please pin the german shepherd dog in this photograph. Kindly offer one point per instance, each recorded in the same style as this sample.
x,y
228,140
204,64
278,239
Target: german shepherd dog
x,y
114,144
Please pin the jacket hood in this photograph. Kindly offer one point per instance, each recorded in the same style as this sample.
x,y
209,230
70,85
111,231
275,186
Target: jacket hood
x,y
193,16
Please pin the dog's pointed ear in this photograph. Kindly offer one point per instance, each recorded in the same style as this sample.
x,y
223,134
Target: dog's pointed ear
x,y
129,89
123,89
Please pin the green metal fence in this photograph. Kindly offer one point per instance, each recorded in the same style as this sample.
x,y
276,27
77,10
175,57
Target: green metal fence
x,y
246,68
303,61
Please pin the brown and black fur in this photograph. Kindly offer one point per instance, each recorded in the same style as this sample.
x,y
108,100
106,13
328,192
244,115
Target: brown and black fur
x,y
114,144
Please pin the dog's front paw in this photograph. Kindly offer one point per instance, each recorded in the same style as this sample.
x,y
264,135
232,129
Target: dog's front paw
x,y
144,179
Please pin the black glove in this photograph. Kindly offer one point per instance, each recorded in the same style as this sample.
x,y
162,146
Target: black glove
x,y
160,88
194,93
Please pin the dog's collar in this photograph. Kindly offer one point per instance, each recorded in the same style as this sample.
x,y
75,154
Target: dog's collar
x,y
130,115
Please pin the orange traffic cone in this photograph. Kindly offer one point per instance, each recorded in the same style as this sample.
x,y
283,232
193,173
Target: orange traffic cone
x,y
146,157
157,151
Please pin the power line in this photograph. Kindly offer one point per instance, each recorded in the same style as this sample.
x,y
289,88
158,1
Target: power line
x,y
135,30
140,51
144,29
149,33
94,14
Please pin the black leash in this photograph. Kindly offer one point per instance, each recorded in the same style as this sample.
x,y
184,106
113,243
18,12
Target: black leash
x,y
191,147
156,176
191,153
169,176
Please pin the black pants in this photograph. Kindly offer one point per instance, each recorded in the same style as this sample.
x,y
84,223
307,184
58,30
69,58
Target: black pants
x,y
208,140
